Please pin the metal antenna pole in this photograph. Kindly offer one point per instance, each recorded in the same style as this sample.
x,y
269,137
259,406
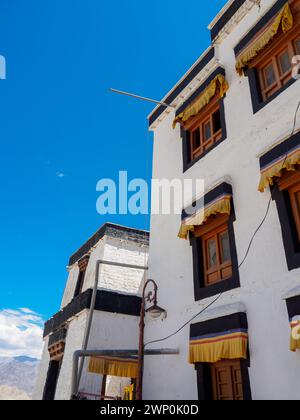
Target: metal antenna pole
x,y
120,92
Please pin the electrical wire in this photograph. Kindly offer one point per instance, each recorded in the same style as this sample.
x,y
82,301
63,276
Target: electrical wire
x,y
248,249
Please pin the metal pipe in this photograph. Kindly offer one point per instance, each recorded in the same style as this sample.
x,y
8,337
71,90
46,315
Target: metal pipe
x,y
117,353
120,92
93,302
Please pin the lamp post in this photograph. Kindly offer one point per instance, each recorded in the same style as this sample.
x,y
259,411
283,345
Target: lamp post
x,y
155,312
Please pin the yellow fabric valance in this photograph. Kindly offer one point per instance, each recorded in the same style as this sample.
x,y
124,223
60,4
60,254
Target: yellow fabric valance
x,y
218,84
295,336
287,162
120,367
222,205
284,20
215,347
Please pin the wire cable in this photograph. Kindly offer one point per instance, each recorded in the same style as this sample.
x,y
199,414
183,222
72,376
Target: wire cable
x,y
249,246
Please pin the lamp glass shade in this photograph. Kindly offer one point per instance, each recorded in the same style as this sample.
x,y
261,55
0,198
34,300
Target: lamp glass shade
x,y
155,311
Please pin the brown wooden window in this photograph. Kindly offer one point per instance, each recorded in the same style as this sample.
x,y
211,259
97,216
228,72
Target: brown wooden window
x,y
205,130
216,250
227,382
274,64
290,182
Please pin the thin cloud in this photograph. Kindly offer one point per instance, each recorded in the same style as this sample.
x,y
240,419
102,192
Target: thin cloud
x,y
21,333
60,174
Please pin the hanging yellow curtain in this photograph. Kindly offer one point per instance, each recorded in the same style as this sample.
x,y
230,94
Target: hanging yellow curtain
x,y
111,366
295,335
222,205
218,84
129,393
284,20
216,347
275,168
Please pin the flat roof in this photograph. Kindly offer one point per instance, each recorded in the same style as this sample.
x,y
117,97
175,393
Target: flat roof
x,y
110,229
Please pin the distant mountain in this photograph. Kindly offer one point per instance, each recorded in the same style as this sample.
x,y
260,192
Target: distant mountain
x,y
8,393
17,377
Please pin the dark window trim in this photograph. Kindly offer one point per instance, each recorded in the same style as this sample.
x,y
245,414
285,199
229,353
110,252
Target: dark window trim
x,y
204,380
289,232
51,380
225,18
263,21
293,306
200,290
194,96
79,283
186,144
106,301
185,82
255,90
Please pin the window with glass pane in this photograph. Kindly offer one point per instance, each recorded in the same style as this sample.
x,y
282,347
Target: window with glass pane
x,y
212,253
217,121
196,139
284,62
225,247
217,255
270,75
207,130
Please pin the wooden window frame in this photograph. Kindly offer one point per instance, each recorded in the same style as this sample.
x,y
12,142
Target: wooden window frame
x,y
284,43
290,182
260,93
202,289
214,229
198,123
283,194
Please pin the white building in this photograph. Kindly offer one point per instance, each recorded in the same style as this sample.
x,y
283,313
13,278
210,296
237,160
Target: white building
x,y
234,113
115,323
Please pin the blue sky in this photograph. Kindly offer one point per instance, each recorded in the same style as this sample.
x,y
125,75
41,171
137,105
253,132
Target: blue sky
x,y
62,131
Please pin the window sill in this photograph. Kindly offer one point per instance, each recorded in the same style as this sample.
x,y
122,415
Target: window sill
x,y
191,164
257,102
215,289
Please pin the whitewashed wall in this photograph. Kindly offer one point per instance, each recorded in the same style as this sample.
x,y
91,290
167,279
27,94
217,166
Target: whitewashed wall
x,y
42,373
123,280
275,371
109,331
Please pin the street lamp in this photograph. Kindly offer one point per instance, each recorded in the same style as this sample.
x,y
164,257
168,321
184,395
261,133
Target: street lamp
x,y
155,312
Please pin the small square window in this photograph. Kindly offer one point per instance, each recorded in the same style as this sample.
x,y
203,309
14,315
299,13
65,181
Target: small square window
x,y
284,63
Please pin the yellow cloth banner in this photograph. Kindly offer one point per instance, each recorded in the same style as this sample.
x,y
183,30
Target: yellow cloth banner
x,y
284,20
221,205
287,163
218,84
295,336
232,345
122,368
